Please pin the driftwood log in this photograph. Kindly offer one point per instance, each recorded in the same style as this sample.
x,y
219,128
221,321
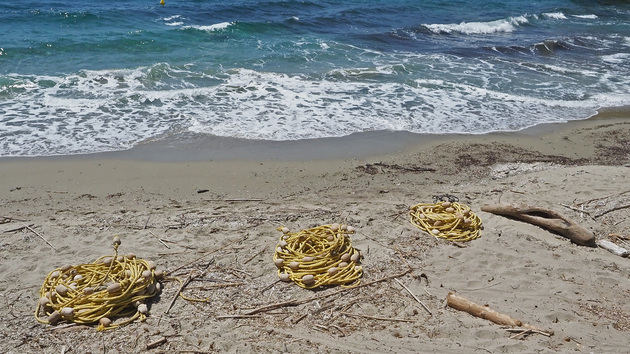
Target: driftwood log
x,y
459,302
546,219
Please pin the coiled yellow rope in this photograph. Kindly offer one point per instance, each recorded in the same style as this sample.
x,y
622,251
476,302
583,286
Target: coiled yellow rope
x,y
449,220
318,257
112,286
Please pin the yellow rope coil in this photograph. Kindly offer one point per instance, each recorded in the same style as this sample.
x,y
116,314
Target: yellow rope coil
x,y
318,257
449,220
111,286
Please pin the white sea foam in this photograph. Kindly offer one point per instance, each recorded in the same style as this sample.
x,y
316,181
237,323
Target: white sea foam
x,y
211,28
618,58
555,15
112,110
588,17
497,26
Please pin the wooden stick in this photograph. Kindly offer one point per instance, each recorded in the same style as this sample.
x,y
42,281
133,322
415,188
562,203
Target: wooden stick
x,y
376,317
295,302
16,228
460,303
156,343
238,316
40,236
613,248
545,218
414,296
256,255
190,277
611,210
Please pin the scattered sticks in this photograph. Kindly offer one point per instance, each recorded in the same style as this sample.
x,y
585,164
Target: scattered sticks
x,y
296,302
525,331
611,210
207,254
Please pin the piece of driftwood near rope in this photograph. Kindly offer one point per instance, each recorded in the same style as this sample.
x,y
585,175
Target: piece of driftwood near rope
x,y
544,218
613,248
459,302
296,302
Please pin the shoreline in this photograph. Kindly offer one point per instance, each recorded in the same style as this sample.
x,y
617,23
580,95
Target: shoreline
x,y
200,147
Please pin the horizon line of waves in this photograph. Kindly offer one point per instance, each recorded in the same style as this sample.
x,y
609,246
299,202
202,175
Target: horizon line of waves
x,y
503,25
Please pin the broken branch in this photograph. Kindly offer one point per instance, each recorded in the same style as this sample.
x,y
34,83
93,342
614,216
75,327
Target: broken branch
x,y
460,303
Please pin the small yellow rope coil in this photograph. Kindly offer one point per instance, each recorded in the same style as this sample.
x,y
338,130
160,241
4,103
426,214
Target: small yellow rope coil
x,y
112,286
318,257
449,220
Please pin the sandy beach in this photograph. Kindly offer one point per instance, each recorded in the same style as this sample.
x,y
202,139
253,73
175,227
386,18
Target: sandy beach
x,y
214,212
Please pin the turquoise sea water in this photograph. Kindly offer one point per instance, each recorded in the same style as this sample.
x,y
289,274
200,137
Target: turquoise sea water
x,y
89,76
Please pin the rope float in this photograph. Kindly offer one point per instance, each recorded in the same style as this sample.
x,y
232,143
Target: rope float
x,y
111,286
447,219
318,256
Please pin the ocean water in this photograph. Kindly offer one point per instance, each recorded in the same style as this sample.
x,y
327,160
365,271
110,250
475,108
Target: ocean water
x,y
81,76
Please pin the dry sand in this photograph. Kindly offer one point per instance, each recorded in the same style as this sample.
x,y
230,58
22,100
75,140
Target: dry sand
x,y
224,213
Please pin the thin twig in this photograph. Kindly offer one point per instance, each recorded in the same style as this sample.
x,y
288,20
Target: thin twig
x,y
376,317
17,228
40,236
414,296
190,277
269,286
238,316
256,255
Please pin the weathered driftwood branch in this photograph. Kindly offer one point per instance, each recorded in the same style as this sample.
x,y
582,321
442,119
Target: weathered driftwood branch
x,y
460,303
613,248
544,218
